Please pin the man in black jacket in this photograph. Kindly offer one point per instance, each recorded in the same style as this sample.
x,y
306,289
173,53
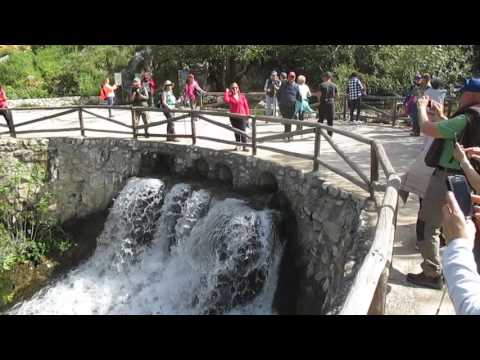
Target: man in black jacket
x,y
288,94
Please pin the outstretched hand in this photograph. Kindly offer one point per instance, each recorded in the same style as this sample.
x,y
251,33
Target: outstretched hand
x,y
460,153
455,226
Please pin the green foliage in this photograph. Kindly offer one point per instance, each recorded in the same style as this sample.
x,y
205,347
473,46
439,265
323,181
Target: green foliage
x,y
70,70
28,229
61,70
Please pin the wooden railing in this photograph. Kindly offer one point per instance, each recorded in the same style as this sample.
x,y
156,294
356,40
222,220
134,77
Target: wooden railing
x,y
368,293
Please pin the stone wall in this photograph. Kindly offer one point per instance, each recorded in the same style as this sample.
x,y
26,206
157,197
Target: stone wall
x,y
52,102
332,231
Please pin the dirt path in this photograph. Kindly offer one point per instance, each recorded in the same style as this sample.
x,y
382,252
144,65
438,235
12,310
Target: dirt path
x,y
400,147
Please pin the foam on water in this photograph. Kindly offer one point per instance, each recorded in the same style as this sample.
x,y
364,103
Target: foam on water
x,y
181,252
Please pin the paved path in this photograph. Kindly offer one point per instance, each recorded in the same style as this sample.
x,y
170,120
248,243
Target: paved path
x,y
400,147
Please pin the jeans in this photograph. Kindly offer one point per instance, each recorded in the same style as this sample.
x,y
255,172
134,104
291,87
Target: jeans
x,y
326,111
288,112
8,119
170,126
240,124
110,101
354,104
271,109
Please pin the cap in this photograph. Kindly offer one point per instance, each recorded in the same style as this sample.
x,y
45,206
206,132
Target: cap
x,y
136,80
418,77
273,73
471,85
167,83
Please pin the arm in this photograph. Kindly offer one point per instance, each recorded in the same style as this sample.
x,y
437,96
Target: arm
x,y
247,107
227,97
265,88
463,280
427,127
459,267
472,176
164,101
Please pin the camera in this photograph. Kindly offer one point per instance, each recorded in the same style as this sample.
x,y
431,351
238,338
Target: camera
x,y
459,186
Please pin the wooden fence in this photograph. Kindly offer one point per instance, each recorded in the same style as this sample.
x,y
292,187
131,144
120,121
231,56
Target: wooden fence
x,y
368,293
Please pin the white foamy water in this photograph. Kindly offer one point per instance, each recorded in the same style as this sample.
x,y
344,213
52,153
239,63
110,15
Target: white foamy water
x,y
181,252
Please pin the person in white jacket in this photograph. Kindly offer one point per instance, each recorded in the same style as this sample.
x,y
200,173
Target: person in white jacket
x,y
459,266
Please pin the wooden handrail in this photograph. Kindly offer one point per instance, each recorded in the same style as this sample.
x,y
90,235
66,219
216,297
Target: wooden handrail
x,y
368,290
367,281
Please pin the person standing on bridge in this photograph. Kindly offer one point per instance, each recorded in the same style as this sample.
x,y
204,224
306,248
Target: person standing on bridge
x,y
151,85
355,91
271,88
328,93
302,106
168,102
288,95
238,105
139,97
108,93
464,125
192,91
4,109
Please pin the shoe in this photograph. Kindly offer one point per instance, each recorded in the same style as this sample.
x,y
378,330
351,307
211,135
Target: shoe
x,y
425,281
414,134
245,149
173,140
147,136
235,148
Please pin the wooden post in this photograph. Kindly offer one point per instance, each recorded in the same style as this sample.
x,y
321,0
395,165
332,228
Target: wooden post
x,y
316,150
374,172
134,126
80,119
394,119
194,132
345,104
254,136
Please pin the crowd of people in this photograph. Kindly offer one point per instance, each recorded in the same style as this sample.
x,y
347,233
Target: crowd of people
x,y
452,148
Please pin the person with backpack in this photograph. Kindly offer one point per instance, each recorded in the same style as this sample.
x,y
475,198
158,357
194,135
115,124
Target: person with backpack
x,y
464,126
139,97
168,102
107,93
272,85
4,109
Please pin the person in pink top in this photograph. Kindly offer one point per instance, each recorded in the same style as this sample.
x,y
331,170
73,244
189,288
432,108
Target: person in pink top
x,y
4,108
192,90
238,105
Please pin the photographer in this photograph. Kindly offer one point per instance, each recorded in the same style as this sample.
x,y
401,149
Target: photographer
x,y
464,126
139,97
459,267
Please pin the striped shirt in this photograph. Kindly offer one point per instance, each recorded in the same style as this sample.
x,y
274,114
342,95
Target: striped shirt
x,y
355,89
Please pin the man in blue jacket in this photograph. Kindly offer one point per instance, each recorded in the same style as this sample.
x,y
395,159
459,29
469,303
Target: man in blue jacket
x,y
288,94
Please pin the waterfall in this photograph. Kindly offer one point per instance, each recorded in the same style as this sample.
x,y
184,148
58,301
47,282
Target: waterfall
x,y
181,251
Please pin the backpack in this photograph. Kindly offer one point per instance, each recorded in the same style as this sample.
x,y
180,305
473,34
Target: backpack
x,y
468,138
102,95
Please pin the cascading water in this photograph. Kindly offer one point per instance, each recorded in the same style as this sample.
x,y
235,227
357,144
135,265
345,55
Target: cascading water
x,y
176,252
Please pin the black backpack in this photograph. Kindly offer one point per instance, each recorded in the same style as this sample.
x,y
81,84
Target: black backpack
x,y
468,138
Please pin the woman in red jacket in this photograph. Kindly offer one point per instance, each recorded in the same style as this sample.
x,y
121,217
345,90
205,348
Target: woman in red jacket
x,y
239,105
4,108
